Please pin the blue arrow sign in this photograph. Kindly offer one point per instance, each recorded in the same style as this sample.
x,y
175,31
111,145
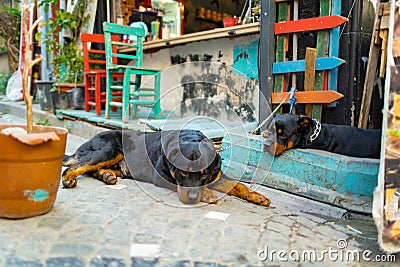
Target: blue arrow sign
x,y
322,63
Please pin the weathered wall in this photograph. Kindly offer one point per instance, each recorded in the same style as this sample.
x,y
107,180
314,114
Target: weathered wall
x,y
221,74
240,91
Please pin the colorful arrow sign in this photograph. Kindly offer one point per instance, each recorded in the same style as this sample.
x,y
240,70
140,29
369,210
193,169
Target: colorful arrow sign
x,y
311,24
309,97
322,63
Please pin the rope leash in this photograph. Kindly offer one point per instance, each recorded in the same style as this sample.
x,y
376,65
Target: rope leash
x,y
348,16
258,127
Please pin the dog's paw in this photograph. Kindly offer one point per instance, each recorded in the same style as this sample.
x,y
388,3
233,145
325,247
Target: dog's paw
x,y
209,196
109,178
69,183
258,199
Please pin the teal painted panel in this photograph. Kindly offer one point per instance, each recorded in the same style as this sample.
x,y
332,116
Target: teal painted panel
x,y
308,171
237,170
244,57
357,176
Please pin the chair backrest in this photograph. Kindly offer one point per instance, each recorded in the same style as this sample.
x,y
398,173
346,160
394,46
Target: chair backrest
x,y
137,53
94,54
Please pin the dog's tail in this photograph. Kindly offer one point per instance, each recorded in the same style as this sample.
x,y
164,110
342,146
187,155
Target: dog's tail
x,y
69,161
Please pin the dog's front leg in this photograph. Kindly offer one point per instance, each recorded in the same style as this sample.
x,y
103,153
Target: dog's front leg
x,y
70,174
108,176
208,196
69,177
234,188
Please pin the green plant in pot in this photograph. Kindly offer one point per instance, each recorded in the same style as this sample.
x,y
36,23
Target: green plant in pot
x,y
66,55
30,158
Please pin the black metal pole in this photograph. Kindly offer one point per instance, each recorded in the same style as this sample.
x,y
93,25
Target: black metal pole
x,y
266,57
355,87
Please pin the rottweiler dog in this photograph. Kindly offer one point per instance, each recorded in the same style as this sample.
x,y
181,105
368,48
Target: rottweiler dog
x,y
298,131
180,160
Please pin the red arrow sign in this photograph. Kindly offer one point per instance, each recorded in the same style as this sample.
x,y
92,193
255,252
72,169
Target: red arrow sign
x,y
309,97
312,24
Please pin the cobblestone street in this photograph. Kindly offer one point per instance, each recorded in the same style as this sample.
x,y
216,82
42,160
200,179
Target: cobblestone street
x,y
122,225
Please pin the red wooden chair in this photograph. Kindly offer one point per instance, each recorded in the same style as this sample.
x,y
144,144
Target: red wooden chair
x,y
95,71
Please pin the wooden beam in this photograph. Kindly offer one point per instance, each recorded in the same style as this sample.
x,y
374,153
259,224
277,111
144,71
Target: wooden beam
x,y
372,65
383,34
309,76
230,32
280,47
322,51
334,43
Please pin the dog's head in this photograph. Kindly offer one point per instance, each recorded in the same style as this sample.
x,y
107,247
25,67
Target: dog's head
x,y
289,131
193,162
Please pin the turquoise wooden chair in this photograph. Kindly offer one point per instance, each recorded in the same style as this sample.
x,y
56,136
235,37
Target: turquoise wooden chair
x,y
133,94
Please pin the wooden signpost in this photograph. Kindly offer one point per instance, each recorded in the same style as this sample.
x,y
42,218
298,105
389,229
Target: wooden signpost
x,y
319,86
310,97
312,24
323,63
280,50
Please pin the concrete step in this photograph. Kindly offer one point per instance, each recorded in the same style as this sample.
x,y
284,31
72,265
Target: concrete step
x,y
347,182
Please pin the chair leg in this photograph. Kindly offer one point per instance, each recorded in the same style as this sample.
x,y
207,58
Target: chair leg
x,y
137,84
108,94
87,93
125,95
157,107
97,94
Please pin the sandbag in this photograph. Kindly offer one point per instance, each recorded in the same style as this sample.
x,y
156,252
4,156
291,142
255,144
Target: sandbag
x,y
14,87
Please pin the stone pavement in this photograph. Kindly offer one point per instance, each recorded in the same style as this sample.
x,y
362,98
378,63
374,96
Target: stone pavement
x,y
98,225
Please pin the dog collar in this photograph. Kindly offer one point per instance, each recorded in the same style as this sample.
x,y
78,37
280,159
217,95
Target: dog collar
x,y
316,132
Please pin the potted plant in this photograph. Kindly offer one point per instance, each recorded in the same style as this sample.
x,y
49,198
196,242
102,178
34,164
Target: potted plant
x,y
66,55
31,156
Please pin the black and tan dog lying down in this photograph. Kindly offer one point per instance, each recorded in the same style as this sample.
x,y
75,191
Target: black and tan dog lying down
x,y
184,161
298,131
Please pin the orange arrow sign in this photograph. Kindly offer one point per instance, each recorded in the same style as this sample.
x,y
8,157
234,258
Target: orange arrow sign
x,y
309,97
312,24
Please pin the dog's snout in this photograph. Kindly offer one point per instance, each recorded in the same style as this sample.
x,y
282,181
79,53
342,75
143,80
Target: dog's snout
x,y
193,196
189,195
269,138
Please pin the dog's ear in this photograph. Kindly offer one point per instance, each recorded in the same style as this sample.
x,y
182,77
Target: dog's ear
x,y
217,162
303,124
188,151
216,171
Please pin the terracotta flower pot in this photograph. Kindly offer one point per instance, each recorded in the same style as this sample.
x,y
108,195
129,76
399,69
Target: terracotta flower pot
x,y
30,174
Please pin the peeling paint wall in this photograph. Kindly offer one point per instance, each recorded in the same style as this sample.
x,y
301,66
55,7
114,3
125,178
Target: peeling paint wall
x,y
217,78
